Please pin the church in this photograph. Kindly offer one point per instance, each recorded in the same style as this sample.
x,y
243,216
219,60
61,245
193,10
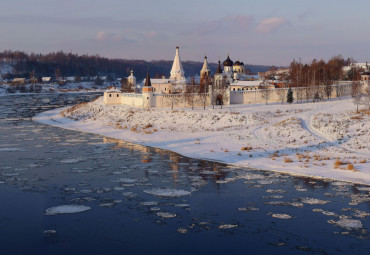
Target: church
x,y
174,91
176,83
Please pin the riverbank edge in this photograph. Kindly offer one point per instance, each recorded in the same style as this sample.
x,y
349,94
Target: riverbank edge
x,y
54,118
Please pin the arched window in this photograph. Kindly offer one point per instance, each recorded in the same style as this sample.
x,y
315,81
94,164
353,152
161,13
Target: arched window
x,y
110,95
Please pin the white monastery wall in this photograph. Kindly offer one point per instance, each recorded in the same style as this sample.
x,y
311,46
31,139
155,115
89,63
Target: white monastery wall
x,y
279,95
181,100
132,99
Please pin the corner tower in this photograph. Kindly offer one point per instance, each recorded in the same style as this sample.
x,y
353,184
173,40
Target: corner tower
x,y
147,92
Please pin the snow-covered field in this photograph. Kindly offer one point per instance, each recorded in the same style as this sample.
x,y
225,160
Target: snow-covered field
x,y
326,140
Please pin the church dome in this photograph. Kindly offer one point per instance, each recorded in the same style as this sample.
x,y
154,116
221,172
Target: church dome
x,y
237,63
228,62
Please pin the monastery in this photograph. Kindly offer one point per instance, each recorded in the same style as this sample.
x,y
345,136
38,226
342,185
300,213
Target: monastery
x,y
229,85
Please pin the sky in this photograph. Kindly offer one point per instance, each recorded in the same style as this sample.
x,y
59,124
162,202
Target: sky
x,y
268,32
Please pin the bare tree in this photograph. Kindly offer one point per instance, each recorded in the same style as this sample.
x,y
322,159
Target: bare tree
x,y
356,94
266,94
189,93
365,99
281,94
126,87
203,89
299,93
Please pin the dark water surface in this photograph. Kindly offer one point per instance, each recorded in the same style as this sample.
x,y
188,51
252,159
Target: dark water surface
x,y
149,201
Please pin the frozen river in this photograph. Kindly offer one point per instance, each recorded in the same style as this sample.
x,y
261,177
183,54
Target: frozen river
x,y
67,192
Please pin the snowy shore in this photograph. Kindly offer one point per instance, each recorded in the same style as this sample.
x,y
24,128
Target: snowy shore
x,y
324,140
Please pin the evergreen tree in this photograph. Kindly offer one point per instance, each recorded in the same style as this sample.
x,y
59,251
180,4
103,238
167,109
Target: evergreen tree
x,y
289,97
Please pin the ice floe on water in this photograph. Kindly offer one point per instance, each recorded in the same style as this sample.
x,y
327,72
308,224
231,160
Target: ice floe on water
x,y
327,213
363,188
281,216
50,232
275,191
10,149
110,204
166,214
284,203
71,160
227,226
314,201
66,209
10,174
167,192
338,183
182,230
182,205
117,188
149,203
127,180
248,209
348,223
86,191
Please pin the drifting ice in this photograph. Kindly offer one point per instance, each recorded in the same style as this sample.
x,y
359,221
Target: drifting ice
x,y
66,209
167,192
349,223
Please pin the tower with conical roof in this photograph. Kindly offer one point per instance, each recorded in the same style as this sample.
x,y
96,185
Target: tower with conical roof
x,y
147,92
218,75
177,72
205,73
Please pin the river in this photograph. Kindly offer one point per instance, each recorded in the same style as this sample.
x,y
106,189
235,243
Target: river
x,y
142,200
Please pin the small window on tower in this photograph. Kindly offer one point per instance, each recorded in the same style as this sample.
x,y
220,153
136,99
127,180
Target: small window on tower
x,y
110,95
117,95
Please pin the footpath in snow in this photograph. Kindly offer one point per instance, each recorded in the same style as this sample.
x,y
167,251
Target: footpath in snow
x,y
325,140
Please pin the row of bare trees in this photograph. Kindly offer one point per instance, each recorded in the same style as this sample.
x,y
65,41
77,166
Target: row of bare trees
x,y
320,72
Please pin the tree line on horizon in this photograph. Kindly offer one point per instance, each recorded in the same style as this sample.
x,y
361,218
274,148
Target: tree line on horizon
x,y
321,73
62,64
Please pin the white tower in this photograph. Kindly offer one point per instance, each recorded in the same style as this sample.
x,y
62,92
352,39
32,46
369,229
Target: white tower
x,y
132,79
205,69
177,72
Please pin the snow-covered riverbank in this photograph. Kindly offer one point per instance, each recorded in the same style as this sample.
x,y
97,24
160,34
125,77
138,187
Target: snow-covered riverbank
x,y
326,140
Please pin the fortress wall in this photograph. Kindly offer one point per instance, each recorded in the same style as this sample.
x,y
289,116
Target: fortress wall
x,y
181,100
280,95
132,99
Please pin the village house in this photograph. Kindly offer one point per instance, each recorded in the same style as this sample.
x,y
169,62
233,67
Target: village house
x,y
18,81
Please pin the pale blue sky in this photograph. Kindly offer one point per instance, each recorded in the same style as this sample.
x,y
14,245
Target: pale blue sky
x,y
256,32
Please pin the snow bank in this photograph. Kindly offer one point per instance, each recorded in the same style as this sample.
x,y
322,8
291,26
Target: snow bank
x,y
323,140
